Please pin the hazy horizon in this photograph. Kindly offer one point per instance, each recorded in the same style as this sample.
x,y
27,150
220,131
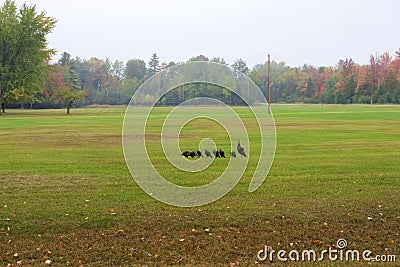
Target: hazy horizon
x,y
318,33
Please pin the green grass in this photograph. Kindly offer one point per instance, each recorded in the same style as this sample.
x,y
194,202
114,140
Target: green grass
x,y
67,195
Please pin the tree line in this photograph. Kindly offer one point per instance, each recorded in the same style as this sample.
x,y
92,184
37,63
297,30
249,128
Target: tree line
x,y
29,78
114,83
345,83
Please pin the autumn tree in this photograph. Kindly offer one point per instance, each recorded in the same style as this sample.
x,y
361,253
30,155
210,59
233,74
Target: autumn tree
x,y
363,87
23,52
136,69
117,69
396,64
199,58
346,85
54,80
240,66
71,77
69,96
219,60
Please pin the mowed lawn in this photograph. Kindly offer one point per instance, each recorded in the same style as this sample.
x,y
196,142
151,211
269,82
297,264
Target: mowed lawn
x,y
66,194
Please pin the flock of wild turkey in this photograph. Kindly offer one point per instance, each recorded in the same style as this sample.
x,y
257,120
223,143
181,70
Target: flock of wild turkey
x,y
217,153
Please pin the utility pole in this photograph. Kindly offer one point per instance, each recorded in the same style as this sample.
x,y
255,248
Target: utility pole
x,y
269,85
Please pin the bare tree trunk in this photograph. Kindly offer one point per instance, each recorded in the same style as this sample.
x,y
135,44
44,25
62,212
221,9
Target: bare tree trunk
x,y
1,99
372,95
69,105
3,108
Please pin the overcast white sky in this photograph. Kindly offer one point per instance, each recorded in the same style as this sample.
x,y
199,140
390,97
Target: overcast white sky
x,y
317,32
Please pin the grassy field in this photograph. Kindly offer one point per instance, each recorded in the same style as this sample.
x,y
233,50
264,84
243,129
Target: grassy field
x,y
67,196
